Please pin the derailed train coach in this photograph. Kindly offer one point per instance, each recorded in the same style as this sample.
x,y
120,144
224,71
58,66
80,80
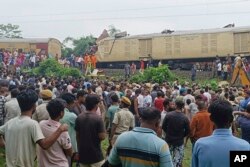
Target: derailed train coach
x,y
178,49
48,46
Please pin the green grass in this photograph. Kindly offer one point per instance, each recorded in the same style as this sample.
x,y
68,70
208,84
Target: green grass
x,y
105,144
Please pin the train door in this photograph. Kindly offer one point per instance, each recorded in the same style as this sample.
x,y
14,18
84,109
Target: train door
x,y
145,47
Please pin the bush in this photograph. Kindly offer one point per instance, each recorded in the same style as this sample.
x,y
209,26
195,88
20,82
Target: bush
x,y
154,74
51,67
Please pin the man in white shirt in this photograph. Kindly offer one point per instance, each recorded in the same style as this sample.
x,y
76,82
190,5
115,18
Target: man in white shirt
x,y
208,95
147,100
219,68
189,96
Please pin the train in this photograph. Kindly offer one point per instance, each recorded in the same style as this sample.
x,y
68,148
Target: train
x,y
47,46
178,49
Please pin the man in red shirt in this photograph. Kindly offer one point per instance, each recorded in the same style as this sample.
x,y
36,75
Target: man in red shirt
x,y
158,102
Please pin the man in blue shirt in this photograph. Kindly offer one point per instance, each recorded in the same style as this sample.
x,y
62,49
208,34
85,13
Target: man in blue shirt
x,y
245,102
141,147
214,151
244,123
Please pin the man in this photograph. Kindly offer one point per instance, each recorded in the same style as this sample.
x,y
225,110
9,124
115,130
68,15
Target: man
x,y
169,106
147,100
219,69
69,118
138,105
158,102
141,146
12,108
57,154
123,120
90,132
80,102
189,96
21,134
127,70
201,125
41,112
207,94
113,109
176,127
244,123
213,151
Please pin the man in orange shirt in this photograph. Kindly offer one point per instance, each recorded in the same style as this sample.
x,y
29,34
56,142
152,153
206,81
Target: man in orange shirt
x,y
201,125
93,61
85,61
88,68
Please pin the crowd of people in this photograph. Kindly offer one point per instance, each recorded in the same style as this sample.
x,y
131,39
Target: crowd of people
x,y
147,124
11,62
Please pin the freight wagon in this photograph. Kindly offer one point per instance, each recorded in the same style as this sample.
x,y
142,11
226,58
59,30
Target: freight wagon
x,y
177,48
48,46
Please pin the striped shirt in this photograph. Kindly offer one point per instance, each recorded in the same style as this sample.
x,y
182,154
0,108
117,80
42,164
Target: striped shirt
x,y
141,148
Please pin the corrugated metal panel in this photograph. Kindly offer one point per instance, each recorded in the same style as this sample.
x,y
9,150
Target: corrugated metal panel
x,y
242,42
145,47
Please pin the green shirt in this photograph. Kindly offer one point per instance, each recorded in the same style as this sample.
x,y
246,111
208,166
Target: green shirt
x,y
111,113
69,118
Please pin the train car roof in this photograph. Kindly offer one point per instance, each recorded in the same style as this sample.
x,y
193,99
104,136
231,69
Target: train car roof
x,y
27,40
189,32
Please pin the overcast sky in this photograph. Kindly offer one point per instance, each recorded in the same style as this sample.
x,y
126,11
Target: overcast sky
x,y
75,18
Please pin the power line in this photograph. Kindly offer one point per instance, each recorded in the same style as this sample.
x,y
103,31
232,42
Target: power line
x,y
131,9
133,18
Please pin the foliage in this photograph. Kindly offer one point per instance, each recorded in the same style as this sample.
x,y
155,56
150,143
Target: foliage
x,y
10,31
154,74
66,51
80,46
211,83
51,67
112,30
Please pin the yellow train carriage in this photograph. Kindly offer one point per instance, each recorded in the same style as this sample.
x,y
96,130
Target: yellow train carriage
x,y
179,45
49,46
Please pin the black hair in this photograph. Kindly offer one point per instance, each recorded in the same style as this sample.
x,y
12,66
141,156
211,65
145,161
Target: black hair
x,y
138,91
114,98
55,107
160,94
231,97
14,93
68,97
113,88
11,87
179,104
80,93
188,101
27,99
189,91
221,113
166,102
150,114
91,101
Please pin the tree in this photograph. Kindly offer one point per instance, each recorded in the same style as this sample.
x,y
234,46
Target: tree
x,y
10,31
112,30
